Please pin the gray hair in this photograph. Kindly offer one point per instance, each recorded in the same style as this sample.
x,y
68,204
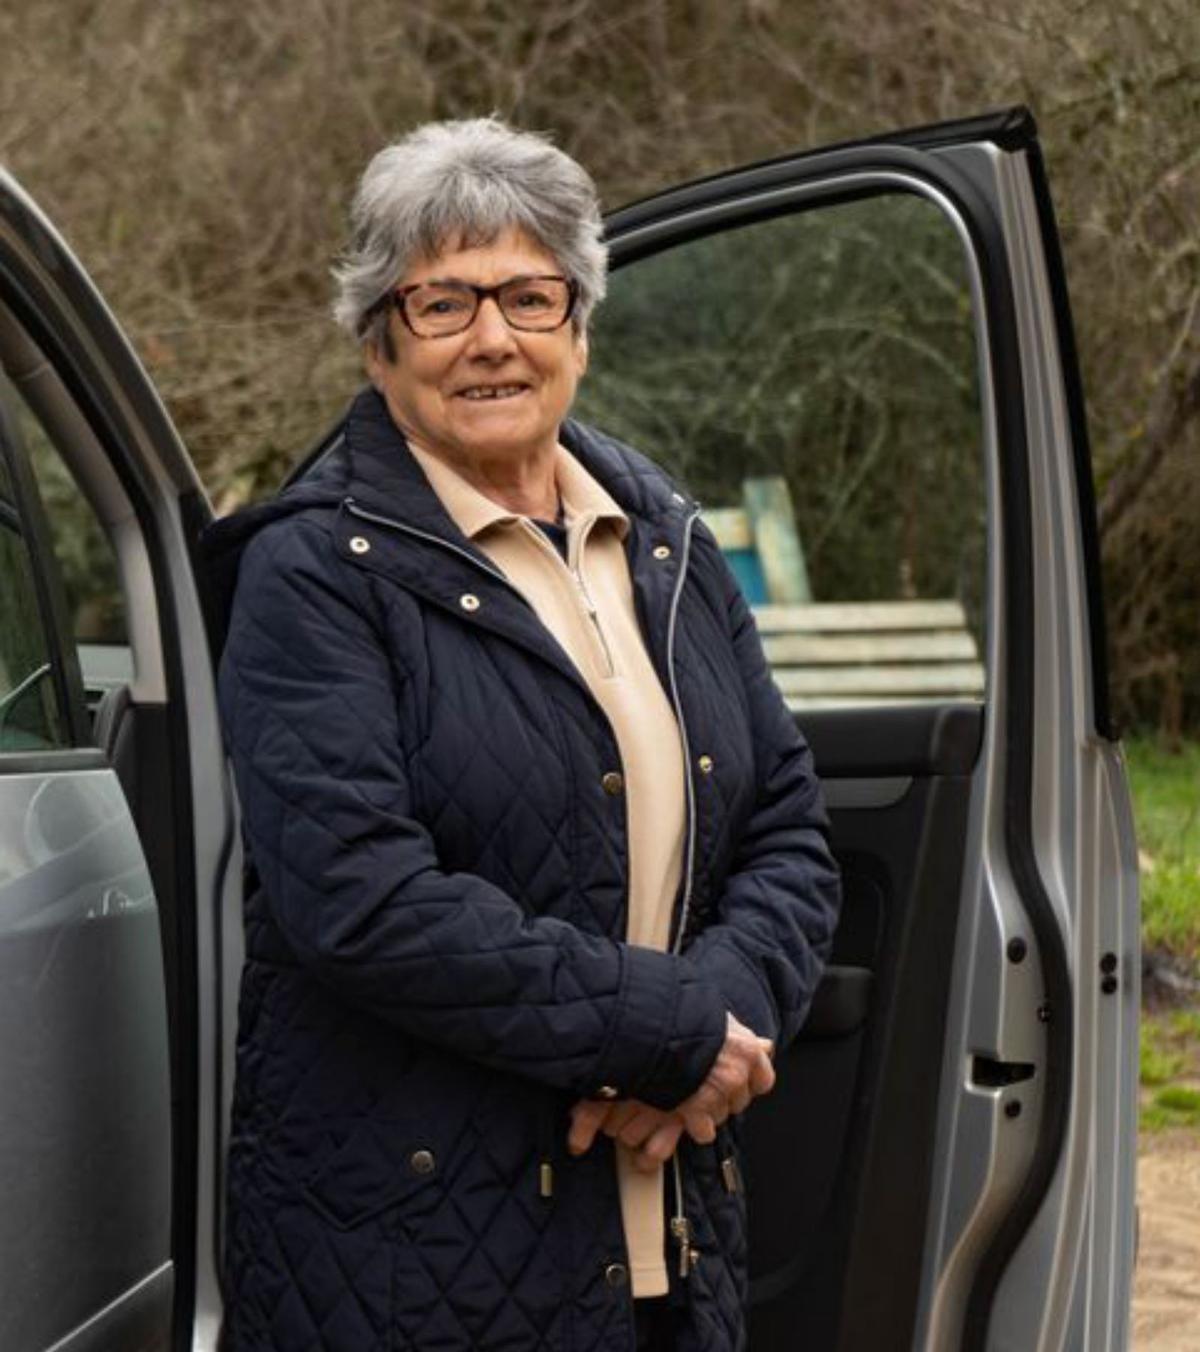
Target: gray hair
x,y
464,183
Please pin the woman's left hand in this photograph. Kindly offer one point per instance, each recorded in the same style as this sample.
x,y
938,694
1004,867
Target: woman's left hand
x,y
652,1133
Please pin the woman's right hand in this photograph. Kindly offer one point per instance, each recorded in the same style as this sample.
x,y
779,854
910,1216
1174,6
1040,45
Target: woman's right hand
x,y
741,1072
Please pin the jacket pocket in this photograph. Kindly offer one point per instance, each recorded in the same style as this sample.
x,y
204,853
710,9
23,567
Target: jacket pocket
x,y
379,1166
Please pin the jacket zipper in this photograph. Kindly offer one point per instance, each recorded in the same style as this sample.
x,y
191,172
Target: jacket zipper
x,y
680,1225
681,1229
688,787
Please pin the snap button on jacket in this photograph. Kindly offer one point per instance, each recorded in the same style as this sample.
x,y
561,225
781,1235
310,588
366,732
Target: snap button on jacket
x,y
434,968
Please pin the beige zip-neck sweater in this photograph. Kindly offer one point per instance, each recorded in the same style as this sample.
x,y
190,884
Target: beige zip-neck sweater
x,y
587,605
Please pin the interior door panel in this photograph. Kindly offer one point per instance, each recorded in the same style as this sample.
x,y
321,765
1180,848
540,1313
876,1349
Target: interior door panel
x,y
838,1159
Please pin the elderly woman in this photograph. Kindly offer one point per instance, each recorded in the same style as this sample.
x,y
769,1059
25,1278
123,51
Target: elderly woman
x,y
544,867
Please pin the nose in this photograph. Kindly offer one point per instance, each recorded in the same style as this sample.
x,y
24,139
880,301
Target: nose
x,y
491,335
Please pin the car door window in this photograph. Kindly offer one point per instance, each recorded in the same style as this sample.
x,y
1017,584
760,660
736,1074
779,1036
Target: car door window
x,y
821,400
87,577
30,716
86,560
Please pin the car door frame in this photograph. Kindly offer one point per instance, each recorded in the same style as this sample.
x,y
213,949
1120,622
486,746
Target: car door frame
x,y
194,869
924,160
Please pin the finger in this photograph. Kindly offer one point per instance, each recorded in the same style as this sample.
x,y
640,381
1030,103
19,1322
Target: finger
x,y
586,1119
660,1146
762,1077
618,1115
640,1128
740,1101
701,1126
710,1099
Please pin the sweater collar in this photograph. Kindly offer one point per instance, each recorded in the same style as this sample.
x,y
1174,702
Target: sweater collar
x,y
474,512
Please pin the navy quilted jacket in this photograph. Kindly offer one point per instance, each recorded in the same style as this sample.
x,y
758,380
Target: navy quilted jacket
x,y
435,969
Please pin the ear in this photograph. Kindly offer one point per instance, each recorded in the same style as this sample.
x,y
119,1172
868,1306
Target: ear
x,y
373,364
581,354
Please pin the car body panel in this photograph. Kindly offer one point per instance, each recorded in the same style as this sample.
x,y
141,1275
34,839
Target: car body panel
x,y
85,1135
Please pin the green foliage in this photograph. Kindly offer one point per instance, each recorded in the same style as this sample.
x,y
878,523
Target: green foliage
x,y
1185,1023
1158,1064
1171,909
1173,1106
1166,796
1170,1069
835,349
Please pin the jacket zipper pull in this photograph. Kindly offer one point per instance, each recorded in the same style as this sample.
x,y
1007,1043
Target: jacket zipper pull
x,y
731,1175
681,1231
546,1179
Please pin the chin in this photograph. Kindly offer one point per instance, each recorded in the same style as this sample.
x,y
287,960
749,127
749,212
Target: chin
x,y
505,437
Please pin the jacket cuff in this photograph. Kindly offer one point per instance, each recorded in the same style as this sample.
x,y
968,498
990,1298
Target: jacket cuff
x,y
743,989
671,1027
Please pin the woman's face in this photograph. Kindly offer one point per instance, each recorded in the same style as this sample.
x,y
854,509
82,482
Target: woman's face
x,y
433,387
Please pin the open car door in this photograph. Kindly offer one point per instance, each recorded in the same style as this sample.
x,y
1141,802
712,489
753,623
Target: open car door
x,y
877,335
117,835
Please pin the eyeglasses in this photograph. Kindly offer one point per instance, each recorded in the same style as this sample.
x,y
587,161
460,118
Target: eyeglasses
x,y
442,309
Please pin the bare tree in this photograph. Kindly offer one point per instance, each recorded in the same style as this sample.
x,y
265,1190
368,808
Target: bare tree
x,y
200,159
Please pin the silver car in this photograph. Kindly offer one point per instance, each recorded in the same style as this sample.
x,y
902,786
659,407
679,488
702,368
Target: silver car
x,y
877,334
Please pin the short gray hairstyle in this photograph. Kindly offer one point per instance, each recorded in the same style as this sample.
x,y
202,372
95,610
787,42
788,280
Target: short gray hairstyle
x,y
463,183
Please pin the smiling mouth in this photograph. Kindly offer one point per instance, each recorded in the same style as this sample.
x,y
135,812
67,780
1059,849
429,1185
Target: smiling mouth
x,y
481,393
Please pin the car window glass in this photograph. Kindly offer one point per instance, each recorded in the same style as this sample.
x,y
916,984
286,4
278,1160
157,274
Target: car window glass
x,y
30,718
86,560
812,380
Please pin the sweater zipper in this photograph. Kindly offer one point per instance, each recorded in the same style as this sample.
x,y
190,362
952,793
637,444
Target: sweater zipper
x,y
681,1228
575,567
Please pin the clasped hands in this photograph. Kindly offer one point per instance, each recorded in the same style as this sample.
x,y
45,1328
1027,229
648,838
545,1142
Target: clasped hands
x,y
741,1072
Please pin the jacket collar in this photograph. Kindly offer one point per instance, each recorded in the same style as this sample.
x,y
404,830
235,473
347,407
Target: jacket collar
x,y
383,475
367,463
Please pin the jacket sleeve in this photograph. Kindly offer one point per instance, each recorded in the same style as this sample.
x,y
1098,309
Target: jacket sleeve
x,y
353,881
779,904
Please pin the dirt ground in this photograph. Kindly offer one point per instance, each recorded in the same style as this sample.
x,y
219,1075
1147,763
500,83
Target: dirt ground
x,y
1166,1292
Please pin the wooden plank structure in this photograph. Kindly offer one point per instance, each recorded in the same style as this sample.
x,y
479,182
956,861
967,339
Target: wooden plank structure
x,y
829,655
835,654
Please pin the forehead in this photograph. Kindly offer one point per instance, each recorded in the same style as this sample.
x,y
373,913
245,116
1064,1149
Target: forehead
x,y
509,254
